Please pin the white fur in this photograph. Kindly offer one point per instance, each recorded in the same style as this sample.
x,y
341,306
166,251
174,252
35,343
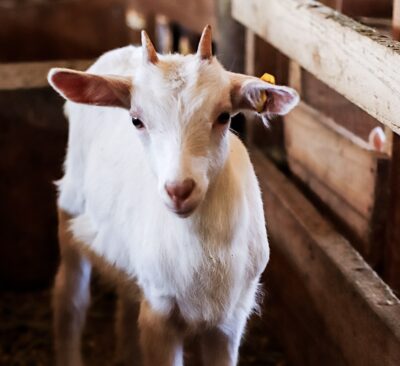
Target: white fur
x,y
205,267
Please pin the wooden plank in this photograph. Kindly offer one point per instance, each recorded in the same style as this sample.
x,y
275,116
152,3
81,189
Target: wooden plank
x,y
326,100
282,308
353,59
339,159
250,52
26,75
349,178
341,208
353,307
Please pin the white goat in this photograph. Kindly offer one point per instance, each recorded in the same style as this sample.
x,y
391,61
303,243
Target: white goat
x,y
162,192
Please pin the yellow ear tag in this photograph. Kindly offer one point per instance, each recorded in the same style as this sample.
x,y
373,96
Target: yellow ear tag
x,y
263,97
268,78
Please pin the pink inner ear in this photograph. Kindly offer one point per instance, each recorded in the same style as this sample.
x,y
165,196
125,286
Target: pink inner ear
x,y
87,88
72,85
281,101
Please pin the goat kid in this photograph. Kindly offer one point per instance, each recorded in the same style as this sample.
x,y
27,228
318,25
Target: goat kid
x,y
158,188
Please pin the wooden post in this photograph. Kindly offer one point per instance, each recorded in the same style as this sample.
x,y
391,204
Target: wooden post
x,y
250,52
396,19
230,49
392,257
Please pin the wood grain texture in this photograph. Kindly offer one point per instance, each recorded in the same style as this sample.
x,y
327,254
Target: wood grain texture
x,y
28,75
340,160
344,173
33,136
349,305
353,59
332,104
68,29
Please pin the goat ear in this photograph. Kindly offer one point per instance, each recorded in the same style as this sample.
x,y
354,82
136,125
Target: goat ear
x,y
250,93
82,87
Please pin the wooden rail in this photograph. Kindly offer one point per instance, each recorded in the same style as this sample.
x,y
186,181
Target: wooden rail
x,y
27,75
353,59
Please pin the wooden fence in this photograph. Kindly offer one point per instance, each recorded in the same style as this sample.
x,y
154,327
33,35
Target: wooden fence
x,y
346,73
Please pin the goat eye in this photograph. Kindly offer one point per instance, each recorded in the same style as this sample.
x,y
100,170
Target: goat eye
x,y
137,123
224,118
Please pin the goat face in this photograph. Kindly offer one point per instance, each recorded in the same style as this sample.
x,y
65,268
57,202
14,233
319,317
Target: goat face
x,y
181,108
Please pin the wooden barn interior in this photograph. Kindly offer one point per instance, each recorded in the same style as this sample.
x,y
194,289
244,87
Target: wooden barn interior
x,y
331,192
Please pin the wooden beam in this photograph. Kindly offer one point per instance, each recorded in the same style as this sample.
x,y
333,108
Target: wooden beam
x,y
353,59
351,306
26,75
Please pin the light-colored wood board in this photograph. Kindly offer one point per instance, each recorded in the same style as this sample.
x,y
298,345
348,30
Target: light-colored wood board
x,y
359,312
249,52
353,59
26,75
343,162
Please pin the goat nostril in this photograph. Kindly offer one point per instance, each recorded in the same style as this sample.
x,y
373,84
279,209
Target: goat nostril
x,y
180,191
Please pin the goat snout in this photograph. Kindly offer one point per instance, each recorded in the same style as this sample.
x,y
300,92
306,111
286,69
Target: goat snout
x,y
180,191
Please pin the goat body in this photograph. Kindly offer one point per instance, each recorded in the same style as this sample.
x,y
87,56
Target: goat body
x,y
193,270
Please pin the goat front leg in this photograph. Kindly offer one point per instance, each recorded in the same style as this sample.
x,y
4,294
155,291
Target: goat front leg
x,y
71,296
220,345
128,351
161,339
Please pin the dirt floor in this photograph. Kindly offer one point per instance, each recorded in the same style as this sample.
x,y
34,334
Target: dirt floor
x,y
25,332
